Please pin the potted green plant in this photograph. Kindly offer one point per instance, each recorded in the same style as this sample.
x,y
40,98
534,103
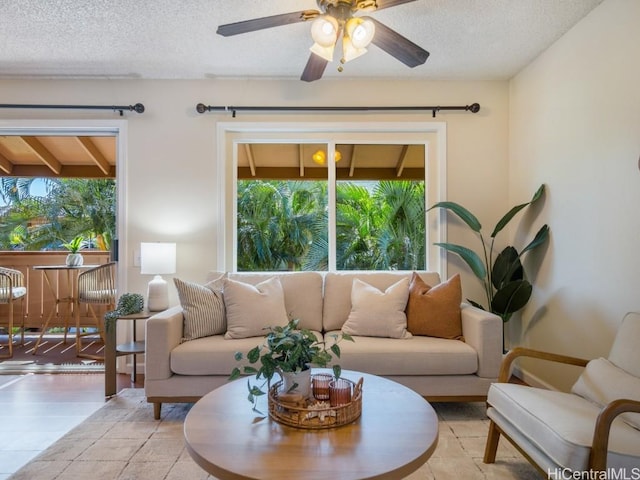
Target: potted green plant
x,y
506,288
74,258
290,352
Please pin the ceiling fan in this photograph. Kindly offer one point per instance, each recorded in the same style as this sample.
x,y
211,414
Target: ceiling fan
x,y
335,21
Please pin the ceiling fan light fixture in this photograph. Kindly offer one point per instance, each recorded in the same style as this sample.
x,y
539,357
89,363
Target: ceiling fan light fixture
x,y
360,31
349,52
324,30
323,52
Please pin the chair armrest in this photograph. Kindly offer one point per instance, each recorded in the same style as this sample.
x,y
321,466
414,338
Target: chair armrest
x,y
505,368
163,333
482,330
600,444
13,278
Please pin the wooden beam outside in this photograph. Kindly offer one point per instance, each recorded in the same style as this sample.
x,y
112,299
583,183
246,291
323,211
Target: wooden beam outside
x,y
401,160
252,164
301,160
352,167
95,154
293,173
5,165
68,171
45,155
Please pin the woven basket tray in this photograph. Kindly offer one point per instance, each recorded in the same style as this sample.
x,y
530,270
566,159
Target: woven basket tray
x,y
314,414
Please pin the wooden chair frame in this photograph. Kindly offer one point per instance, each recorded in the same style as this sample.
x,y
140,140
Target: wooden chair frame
x,y
600,443
101,282
9,280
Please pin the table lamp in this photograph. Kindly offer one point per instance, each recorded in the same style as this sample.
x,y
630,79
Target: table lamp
x,y
156,259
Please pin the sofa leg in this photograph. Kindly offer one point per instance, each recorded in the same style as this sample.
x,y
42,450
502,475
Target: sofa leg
x,y
157,406
492,443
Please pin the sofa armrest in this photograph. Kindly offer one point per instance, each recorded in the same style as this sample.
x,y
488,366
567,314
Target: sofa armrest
x,y
483,331
163,334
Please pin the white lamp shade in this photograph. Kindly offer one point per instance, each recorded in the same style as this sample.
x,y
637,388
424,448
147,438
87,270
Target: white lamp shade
x,y
360,31
324,30
157,258
323,52
349,52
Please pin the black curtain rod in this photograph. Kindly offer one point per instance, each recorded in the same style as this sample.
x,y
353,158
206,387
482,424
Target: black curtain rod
x,y
138,107
202,108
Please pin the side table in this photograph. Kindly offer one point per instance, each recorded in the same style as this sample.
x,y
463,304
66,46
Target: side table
x,y
113,351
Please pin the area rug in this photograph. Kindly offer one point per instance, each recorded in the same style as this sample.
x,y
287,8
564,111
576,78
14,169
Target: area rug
x,y
123,441
52,356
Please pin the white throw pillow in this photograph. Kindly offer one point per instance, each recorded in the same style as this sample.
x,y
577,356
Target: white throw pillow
x,y
252,308
603,382
378,314
202,308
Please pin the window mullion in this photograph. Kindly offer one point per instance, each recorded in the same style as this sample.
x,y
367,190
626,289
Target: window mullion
x,y
331,191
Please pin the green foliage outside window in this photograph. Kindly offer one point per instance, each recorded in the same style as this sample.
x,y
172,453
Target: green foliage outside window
x,y
70,207
282,225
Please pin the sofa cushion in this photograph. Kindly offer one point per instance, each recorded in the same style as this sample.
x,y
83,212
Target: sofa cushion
x,y
253,308
561,424
602,382
213,355
302,293
413,356
202,307
435,311
378,314
337,292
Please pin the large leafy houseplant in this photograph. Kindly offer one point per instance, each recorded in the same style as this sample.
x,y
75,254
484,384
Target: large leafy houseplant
x,y
506,288
286,349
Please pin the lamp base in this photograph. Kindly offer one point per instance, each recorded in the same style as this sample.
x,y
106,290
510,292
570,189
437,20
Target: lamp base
x,y
157,294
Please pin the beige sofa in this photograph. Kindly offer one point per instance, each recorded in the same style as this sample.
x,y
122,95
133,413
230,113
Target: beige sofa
x,y
439,369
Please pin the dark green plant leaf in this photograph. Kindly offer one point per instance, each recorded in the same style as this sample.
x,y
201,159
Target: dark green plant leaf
x,y
512,297
335,348
506,268
511,213
253,355
235,374
469,256
538,240
465,215
337,371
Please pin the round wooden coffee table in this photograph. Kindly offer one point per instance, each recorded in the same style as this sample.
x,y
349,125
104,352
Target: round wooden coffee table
x,y
395,435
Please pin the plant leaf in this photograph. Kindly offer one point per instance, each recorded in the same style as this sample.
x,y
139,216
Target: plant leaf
x,y
465,215
337,371
512,297
506,268
235,374
476,304
538,240
511,213
469,256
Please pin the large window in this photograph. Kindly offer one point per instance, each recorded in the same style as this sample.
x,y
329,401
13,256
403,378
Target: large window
x,y
332,204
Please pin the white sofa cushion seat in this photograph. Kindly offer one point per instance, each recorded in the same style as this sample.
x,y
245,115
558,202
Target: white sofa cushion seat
x,y
561,425
413,356
214,355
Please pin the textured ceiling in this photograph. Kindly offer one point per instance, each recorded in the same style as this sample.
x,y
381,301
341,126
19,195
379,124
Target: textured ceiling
x,y
169,39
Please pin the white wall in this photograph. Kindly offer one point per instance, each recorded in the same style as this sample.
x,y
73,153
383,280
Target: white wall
x,y
171,171
575,126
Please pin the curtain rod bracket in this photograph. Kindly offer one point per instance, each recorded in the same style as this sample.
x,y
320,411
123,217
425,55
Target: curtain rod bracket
x,y
202,108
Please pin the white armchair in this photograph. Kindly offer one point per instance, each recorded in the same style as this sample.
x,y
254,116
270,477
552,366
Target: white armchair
x,y
593,428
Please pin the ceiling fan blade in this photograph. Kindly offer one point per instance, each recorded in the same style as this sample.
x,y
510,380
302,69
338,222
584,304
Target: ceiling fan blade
x,y
398,46
391,3
314,68
265,22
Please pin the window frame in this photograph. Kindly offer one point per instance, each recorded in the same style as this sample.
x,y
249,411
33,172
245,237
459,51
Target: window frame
x,y
231,134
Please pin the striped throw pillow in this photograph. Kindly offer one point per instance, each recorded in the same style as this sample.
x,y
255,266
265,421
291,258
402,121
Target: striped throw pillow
x,y
203,308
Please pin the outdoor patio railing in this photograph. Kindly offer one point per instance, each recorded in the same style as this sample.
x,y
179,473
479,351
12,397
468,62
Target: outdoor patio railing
x,y
40,300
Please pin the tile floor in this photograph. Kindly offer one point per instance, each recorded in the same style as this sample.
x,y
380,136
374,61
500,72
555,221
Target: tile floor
x,y
36,410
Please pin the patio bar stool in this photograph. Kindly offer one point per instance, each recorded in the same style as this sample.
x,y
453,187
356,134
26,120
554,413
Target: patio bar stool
x,y
12,288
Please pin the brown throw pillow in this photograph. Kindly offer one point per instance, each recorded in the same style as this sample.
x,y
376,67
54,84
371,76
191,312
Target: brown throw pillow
x,y
435,311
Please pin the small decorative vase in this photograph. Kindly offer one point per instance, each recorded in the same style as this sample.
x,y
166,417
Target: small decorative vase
x,y
299,383
74,260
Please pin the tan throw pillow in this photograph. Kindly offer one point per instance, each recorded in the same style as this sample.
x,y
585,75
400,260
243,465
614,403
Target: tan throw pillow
x,y
435,311
378,314
202,308
252,308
